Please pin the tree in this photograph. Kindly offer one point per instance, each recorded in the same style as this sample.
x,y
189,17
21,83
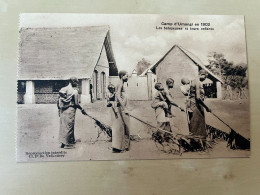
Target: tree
x,y
142,65
234,75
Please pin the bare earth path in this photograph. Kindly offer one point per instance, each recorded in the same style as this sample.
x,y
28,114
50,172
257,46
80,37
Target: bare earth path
x,y
38,127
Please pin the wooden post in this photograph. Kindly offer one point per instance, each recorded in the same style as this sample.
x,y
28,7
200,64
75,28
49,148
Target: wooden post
x,y
150,84
219,90
85,96
29,97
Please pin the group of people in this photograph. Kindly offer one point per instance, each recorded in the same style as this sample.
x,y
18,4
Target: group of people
x,y
195,105
229,93
120,116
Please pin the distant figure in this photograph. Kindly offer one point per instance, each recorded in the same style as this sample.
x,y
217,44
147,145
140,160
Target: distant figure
x,y
196,114
228,92
90,92
241,93
244,93
111,100
68,104
120,119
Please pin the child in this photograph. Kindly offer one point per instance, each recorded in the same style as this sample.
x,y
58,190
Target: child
x,y
160,101
111,98
185,88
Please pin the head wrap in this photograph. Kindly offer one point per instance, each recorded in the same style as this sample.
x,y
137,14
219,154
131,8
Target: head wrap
x,y
169,80
202,71
185,81
157,85
111,86
74,80
122,73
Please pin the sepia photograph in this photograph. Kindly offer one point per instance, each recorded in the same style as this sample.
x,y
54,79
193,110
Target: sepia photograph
x,y
131,86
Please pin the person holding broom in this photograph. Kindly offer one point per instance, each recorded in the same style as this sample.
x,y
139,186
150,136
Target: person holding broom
x,y
197,124
162,103
120,118
68,103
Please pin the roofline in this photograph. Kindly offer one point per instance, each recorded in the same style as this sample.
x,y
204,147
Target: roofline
x,y
161,59
182,49
66,27
107,37
201,65
110,47
47,79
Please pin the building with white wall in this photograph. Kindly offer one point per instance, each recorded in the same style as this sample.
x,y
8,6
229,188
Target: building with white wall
x,y
138,87
48,57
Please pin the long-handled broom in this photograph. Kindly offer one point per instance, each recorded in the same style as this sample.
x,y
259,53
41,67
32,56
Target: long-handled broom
x,y
105,128
234,139
185,142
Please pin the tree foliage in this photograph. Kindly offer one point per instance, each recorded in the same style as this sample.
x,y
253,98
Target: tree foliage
x,y
234,75
142,65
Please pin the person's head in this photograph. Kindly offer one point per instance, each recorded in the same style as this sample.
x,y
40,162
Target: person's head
x,y
203,74
158,86
170,82
123,75
74,81
111,88
185,81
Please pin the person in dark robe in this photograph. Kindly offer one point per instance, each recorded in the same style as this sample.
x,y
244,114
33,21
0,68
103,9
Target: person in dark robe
x,y
120,118
68,104
90,92
196,113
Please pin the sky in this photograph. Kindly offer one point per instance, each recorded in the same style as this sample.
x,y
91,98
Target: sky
x,y
134,37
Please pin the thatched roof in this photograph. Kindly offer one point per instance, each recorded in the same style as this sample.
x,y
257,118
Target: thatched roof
x,y
59,53
190,55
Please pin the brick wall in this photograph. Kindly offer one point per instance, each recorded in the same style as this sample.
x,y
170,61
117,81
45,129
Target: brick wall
x,y
46,98
20,99
176,65
43,87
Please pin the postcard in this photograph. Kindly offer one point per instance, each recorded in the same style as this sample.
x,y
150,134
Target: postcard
x,y
125,87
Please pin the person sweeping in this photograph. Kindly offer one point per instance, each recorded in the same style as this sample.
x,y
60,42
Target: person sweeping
x,y
120,118
68,103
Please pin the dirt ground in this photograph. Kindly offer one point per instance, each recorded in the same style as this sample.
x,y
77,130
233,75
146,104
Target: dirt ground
x,y
38,128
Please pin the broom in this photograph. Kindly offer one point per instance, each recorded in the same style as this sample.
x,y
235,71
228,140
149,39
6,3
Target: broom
x,y
186,142
234,139
105,128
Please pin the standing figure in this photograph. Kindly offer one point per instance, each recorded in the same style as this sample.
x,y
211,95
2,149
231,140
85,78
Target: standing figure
x,y
68,104
91,93
197,124
112,101
120,118
185,89
161,108
169,101
243,93
228,92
